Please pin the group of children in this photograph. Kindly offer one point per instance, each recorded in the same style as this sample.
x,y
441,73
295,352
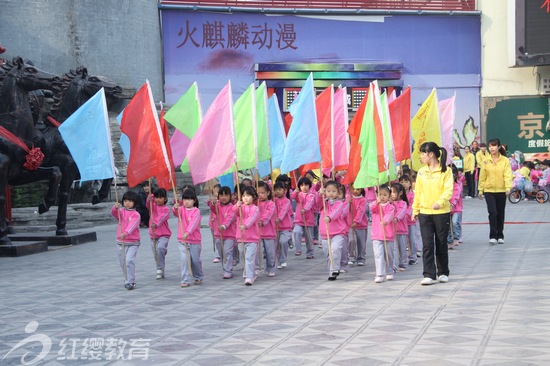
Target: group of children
x,y
263,225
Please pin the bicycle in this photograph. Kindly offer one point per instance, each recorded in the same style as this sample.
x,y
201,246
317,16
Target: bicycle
x,y
538,195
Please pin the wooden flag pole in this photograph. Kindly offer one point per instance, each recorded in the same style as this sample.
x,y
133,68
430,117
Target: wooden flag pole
x,y
259,258
119,225
180,223
240,219
221,235
151,219
326,224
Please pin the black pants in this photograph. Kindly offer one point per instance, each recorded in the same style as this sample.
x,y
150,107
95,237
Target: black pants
x,y
496,205
435,256
470,183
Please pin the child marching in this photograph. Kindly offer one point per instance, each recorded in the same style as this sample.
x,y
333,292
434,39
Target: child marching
x,y
189,238
248,234
127,236
159,231
400,202
283,222
224,227
456,211
303,217
359,226
266,226
383,234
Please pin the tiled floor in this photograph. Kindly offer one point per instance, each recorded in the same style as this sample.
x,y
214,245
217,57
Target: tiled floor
x,y
494,311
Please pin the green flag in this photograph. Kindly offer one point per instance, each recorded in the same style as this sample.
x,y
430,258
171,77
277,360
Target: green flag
x,y
264,152
186,117
244,113
390,174
368,171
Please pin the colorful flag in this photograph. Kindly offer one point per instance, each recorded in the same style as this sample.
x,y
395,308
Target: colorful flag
x,y
425,127
186,117
246,139
302,143
389,157
88,137
277,135
400,116
354,131
341,143
262,123
166,180
447,116
123,141
212,150
324,104
148,151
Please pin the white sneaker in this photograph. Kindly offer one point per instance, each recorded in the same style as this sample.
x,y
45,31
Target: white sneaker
x,y
443,279
216,260
389,277
279,267
427,281
283,264
501,241
378,279
492,241
351,263
160,274
271,274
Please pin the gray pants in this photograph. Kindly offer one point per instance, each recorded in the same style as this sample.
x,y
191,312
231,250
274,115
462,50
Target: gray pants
x,y
401,241
195,260
227,258
130,254
250,250
336,246
344,257
383,267
415,242
297,233
270,252
236,256
358,248
284,239
160,254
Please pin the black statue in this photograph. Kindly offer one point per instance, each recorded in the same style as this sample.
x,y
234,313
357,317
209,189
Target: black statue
x,y
17,124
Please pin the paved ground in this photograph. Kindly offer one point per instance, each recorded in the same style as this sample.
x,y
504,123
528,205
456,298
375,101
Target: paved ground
x,y
494,311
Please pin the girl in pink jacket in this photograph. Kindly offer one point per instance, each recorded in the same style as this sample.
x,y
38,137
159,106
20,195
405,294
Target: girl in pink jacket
x,y
159,231
359,224
189,238
127,236
383,234
303,217
248,234
456,211
401,203
331,217
266,224
224,228
283,222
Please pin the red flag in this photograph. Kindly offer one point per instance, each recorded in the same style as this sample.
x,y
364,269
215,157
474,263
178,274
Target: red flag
x,y
400,116
168,180
148,153
354,131
324,105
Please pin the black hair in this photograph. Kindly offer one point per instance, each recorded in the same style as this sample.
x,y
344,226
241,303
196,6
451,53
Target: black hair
x,y
267,188
224,190
342,189
247,180
455,172
239,188
161,192
529,164
361,189
251,192
217,185
190,187
496,142
305,181
432,147
384,187
310,172
189,194
332,183
406,178
130,196
279,185
483,144
400,191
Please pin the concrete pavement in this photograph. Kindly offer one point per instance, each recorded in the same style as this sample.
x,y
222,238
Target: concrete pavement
x,y
70,304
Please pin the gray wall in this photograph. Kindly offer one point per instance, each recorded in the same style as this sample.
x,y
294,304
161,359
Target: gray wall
x,y
119,39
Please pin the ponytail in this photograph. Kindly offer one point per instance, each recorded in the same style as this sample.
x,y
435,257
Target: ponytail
x,y
443,160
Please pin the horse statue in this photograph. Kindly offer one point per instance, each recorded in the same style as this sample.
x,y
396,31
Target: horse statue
x,y
17,127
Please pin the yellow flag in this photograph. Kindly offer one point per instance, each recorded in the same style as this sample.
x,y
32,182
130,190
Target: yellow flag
x,y
425,127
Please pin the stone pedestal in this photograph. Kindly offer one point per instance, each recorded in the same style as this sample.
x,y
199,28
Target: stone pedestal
x,y
73,238
21,248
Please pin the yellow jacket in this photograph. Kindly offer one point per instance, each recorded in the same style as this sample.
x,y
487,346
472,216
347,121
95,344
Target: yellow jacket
x,y
480,156
433,187
525,172
469,163
495,177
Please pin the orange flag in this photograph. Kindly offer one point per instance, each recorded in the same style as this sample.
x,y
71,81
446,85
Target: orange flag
x,y
400,116
354,131
148,149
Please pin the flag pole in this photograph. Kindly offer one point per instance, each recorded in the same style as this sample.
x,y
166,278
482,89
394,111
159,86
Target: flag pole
x,y
353,242
326,224
276,213
240,218
383,231
302,209
180,224
221,235
151,219
258,256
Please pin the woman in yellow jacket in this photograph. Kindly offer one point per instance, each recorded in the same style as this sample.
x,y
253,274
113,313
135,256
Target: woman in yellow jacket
x,y
434,189
469,166
495,183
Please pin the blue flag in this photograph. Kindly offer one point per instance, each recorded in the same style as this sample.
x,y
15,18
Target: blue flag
x,y
277,134
124,141
302,142
264,168
88,137
227,180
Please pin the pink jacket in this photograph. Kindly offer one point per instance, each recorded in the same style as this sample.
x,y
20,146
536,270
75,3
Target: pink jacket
x,y
388,211
159,217
370,195
337,224
190,224
250,216
358,212
410,198
227,218
401,210
456,199
129,224
308,201
283,211
267,220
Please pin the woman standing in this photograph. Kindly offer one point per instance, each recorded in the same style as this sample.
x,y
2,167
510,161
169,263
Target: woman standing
x,y
434,189
495,182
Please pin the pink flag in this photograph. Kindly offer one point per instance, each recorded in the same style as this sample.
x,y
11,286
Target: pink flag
x,y
212,151
447,117
179,143
341,144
